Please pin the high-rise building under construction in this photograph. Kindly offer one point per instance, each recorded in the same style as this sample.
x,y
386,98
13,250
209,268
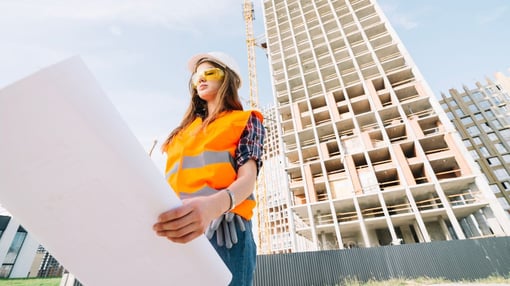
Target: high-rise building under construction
x,y
371,158
482,117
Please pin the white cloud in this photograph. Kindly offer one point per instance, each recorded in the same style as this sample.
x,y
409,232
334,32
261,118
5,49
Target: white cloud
x,y
115,30
492,15
164,13
399,19
404,22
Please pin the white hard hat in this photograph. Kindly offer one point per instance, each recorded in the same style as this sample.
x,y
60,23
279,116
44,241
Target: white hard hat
x,y
217,57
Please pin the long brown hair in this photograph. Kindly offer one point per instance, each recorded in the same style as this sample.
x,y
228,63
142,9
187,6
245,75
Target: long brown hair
x,y
227,95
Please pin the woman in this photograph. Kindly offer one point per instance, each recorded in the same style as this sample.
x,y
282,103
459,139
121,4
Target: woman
x,y
214,156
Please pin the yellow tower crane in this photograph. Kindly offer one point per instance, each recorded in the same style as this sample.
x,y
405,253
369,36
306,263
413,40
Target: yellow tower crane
x,y
260,187
248,12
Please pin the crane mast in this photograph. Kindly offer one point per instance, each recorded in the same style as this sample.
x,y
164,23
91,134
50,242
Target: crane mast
x,y
248,12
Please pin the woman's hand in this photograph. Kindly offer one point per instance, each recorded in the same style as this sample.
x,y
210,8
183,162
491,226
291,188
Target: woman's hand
x,y
189,221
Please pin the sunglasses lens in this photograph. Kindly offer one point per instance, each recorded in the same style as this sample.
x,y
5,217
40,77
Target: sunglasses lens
x,y
209,74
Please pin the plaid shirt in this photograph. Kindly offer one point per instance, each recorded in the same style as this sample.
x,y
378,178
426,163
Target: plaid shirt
x,y
251,144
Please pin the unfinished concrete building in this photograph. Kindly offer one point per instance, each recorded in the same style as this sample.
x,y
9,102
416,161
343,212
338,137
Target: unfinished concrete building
x,y
371,158
482,117
274,233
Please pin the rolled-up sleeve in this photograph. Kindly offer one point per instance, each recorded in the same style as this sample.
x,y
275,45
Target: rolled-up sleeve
x,y
251,144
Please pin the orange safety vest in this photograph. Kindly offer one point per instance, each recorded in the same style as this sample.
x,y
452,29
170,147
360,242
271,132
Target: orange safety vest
x,y
201,162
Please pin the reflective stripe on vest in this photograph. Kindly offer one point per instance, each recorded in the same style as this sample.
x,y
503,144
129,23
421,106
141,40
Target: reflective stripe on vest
x,y
203,159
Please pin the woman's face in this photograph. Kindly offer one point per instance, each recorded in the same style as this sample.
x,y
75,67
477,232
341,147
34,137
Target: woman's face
x,y
207,81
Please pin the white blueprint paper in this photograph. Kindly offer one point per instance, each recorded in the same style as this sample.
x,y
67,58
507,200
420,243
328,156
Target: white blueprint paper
x,y
74,175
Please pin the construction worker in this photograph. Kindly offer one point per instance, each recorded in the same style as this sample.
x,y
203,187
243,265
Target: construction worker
x,y
213,159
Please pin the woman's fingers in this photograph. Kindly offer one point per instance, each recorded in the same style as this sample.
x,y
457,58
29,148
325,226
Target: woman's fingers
x,y
187,221
175,214
179,234
187,238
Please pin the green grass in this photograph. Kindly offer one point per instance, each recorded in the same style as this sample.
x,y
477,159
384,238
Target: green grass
x,y
31,282
428,281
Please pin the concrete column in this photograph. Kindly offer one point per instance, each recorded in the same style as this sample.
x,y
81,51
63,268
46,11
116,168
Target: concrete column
x,y
373,94
335,116
444,227
366,140
404,166
297,117
459,156
349,165
422,234
407,235
308,180
324,150
415,127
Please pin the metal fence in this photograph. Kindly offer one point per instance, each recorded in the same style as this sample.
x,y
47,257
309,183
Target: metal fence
x,y
453,260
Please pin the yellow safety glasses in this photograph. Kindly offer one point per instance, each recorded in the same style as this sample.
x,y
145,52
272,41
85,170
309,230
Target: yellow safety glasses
x,y
208,74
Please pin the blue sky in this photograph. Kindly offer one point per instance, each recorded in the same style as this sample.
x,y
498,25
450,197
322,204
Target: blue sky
x,y
137,50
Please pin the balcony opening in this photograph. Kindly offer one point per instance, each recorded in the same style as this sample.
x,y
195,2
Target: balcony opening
x,y
376,139
408,149
378,84
345,128
359,161
298,196
372,212
396,133
333,149
390,116
371,207
379,156
385,99
347,215
387,179
446,168
398,206
435,144
361,106
355,91
400,78
418,108
320,191
383,236
419,174
339,96
430,125
428,201
367,122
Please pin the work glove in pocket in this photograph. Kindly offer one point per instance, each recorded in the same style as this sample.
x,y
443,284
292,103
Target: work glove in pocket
x,y
225,227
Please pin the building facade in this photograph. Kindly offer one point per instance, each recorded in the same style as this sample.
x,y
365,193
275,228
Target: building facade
x,y
482,117
272,211
370,157
21,255
17,250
